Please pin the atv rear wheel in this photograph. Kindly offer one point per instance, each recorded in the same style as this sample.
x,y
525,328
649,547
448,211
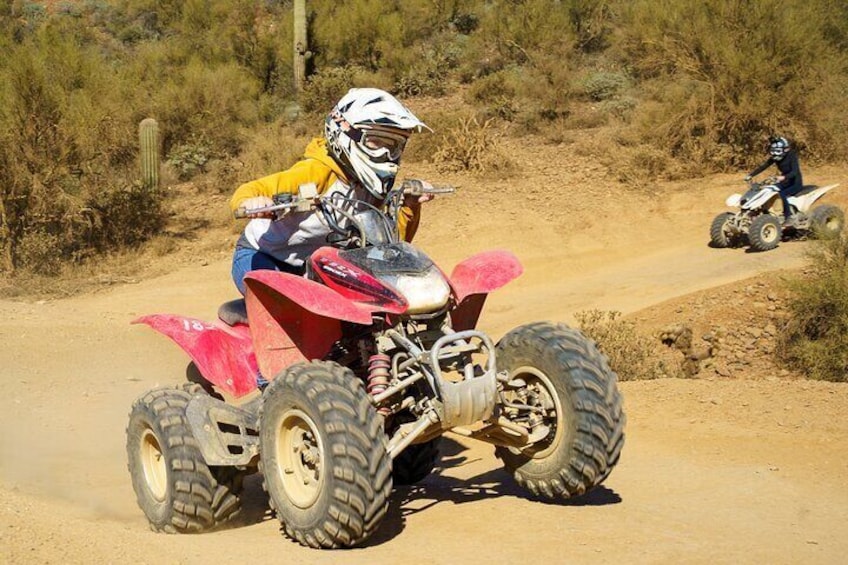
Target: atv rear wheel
x,y
324,456
571,386
719,236
174,487
764,233
416,462
827,221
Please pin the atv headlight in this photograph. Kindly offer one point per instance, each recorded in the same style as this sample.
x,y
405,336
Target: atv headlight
x,y
426,292
733,200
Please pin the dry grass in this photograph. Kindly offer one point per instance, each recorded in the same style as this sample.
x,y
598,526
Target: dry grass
x,y
632,355
472,146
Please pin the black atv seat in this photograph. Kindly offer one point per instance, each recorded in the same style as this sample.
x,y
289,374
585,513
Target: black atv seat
x,y
233,312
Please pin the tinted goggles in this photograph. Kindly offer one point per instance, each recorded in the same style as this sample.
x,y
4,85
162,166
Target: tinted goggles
x,y
382,145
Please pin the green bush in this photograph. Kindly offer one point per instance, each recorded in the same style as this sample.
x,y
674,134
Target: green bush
x,y
815,338
604,85
190,158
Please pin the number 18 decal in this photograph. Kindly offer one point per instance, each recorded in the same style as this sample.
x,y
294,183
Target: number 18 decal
x,y
194,325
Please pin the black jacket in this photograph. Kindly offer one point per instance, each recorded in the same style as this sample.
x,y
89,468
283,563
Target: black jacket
x,y
789,168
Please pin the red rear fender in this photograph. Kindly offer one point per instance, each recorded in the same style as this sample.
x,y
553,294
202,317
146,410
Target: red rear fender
x,y
222,354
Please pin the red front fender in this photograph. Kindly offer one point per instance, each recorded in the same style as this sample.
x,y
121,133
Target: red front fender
x,y
223,354
475,278
295,319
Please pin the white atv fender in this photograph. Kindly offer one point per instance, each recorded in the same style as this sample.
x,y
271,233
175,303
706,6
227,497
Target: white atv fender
x,y
763,199
733,200
803,202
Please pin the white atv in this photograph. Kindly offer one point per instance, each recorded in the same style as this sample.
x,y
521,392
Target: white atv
x,y
762,228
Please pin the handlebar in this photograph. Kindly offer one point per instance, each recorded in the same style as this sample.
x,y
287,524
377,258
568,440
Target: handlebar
x,y
277,209
287,203
242,213
768,181
416,187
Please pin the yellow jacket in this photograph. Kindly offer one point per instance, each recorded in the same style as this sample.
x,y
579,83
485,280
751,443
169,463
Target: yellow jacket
x,y
316,167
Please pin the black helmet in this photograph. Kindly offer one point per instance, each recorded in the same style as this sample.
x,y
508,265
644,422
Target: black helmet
x,y
778,147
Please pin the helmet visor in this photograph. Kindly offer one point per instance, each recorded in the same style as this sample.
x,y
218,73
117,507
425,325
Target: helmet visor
x,y
778,147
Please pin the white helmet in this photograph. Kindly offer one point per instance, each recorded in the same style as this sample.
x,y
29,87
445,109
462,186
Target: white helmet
x,y
366,133
778,147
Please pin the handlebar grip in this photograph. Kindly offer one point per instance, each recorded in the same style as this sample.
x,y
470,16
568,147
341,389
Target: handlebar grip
x,y
240,213
445,189
416,187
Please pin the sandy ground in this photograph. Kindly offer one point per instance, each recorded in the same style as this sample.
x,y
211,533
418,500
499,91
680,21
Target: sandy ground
x,y
728,470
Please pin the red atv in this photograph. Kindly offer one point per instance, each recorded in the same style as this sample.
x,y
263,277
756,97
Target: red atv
x,y
369,358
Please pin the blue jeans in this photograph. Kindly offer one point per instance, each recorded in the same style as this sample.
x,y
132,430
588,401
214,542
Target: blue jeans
x,y
246,259
785,193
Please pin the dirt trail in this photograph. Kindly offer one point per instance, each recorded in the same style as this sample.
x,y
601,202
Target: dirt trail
x,y
727,471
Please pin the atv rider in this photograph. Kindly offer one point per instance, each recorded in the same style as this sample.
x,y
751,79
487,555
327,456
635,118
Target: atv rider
x,y
364,138
782,154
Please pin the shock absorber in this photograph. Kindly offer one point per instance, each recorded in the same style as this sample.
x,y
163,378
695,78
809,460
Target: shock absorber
x,y
379,375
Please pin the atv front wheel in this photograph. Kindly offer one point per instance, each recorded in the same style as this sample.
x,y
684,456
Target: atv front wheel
x,y
764,233
324,456
827,221
719,236
174,487
570,386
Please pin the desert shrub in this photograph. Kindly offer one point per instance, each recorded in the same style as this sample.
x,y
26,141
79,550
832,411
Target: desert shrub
x,y
66,139
724,81
261,42
323,89
425,69
189,158
359,32
621,107
497,94
128,215
530,96
215,103
815,338
473,146
603,85
632,355
519,31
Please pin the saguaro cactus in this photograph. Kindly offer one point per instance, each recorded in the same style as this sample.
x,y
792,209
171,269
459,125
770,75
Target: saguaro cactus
x,y
148,135
301,52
